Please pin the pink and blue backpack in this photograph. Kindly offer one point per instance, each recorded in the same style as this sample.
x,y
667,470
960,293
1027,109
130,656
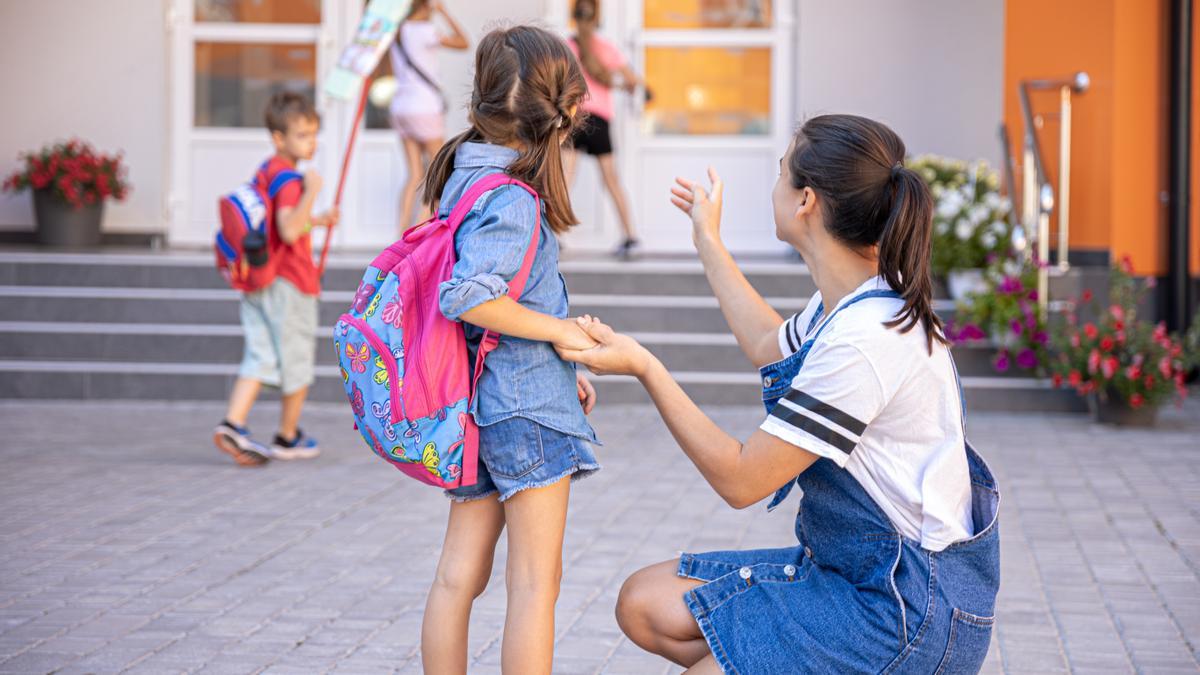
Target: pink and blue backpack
x,y
404,365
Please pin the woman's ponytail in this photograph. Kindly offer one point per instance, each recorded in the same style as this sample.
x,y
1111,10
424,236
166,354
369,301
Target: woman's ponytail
x,y
871,199
904,252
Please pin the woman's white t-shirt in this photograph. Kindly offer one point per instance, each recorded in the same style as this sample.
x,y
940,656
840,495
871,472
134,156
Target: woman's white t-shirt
x,y
413,94
873,400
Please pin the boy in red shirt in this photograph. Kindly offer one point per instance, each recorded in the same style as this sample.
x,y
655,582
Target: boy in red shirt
x,y
280,320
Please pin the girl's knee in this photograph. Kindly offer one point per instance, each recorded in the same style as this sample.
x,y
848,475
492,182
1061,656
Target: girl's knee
x,y
633,605
537,582
463,580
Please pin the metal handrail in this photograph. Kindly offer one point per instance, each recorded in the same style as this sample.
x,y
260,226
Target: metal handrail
x,y
1037,194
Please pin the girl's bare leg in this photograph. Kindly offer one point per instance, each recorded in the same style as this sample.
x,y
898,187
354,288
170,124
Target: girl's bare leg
x,y
536,520
608,170
462,575
651,612
416,171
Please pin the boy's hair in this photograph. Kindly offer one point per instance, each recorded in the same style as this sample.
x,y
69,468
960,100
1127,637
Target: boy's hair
x,y
527,87
285,106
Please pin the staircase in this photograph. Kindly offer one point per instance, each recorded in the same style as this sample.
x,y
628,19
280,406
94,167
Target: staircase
x,y
162,326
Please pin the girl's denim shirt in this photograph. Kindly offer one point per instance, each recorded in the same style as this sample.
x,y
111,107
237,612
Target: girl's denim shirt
x,y
521,378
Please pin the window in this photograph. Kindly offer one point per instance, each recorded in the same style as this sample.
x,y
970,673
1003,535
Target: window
x,y
234,80
727,92
683,14
258,11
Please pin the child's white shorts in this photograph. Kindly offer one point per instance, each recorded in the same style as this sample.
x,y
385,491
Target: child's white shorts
x,y
280,324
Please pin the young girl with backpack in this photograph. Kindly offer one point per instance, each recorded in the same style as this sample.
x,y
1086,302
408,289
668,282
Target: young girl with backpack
x,y
530,405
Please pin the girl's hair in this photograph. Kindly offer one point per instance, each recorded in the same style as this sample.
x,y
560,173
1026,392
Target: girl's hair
x,y
587,17
527,85
870,198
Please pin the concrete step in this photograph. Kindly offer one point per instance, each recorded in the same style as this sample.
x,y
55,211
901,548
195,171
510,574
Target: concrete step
x,y
222,344
82,380
194,271
174,306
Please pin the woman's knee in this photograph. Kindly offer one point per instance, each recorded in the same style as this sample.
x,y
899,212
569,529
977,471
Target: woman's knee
x,y
635,604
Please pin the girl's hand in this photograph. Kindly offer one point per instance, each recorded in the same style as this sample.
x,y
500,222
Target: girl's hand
x,y
572,337
615,354
704,208
587,393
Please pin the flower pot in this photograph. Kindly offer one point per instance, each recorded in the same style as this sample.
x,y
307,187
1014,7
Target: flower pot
x,y
1114,410
962,282
61,225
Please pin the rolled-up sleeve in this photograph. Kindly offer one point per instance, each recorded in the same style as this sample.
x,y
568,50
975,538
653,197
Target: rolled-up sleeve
x,y
491,244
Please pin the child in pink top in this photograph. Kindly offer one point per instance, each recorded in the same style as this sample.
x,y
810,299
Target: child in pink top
x,y
604,67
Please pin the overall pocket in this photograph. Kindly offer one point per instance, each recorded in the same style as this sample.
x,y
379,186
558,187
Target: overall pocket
x,y
970,637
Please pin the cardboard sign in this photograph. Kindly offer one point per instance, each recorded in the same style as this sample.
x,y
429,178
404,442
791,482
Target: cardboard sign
x,y
376,32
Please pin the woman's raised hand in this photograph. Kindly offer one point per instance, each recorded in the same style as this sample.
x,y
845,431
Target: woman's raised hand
x,y
615,354
703,207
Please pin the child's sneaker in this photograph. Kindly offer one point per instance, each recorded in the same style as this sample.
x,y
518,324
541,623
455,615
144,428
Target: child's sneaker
x,y
627,249
235,441
300,447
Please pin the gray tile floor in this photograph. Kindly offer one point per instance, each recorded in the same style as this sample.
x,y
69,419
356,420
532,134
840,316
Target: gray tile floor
x,y
128,544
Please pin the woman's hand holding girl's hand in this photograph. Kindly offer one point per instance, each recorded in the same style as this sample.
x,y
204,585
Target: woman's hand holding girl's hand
x,y
587,393
572,336
615,354
704,208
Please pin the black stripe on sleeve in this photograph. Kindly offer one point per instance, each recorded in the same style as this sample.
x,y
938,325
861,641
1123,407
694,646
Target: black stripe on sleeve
x,y
813,428
846,421
788,330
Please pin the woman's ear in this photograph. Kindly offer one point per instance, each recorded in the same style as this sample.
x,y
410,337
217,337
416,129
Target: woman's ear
x,y
807,205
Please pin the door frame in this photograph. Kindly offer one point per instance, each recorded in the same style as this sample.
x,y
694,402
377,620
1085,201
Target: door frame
x,y
184,32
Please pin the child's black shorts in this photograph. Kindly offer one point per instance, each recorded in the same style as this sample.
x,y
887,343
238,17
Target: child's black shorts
x,y
593,137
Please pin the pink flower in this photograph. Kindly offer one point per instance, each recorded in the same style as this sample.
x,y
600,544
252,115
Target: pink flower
x,y
1093,362
1090,330
1017,327
1027,359
1137,400
1164,367
1001,363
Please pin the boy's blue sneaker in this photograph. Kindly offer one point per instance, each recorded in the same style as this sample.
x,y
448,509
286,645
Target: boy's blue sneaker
x,y
300,447
235,441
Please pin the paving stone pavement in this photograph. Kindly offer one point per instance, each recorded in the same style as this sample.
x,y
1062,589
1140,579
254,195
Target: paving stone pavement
x,y
128,544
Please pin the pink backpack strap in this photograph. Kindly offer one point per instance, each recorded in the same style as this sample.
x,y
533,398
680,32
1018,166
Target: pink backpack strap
x,y
517,286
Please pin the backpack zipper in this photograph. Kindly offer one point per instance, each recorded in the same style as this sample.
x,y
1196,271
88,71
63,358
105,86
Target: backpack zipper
x,y
417,364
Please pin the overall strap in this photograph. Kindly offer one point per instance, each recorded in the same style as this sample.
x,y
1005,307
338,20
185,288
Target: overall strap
x,y
865,295
517,286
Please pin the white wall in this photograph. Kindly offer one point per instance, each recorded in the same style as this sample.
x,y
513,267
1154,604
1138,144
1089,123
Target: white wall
x,y
933,70
96,70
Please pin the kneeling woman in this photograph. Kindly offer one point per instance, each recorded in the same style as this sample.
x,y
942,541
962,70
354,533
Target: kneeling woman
x,y
897,565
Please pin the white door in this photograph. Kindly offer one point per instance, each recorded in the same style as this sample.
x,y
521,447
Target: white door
x,y
228,57
721,73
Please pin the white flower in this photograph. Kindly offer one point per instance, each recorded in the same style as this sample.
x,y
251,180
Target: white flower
x,y
950,204
978,214
937,190
941,227
999,228
988,240
928,174
1011,267
992,200
964,229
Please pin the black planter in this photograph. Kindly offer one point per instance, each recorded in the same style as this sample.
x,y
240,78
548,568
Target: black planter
x,y
61,225
1114,410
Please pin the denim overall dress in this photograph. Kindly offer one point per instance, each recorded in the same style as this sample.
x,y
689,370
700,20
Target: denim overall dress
x,y
855,596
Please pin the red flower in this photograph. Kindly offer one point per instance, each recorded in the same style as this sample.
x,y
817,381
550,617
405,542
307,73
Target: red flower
x,y
1149,382
1056,380
1127,264
1164,367
1137,400
1106,344
1133,372
1087,295
1108,367
1075,378
1093,362
1090,330
1119,325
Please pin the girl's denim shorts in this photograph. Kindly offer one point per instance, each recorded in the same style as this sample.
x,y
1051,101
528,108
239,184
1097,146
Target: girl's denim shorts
x,y
518,454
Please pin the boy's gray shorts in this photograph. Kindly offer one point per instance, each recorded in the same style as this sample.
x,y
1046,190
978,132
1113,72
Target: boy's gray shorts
x,y
280,324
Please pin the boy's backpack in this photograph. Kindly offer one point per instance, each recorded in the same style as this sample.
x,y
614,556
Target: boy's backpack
x,y
404,365
243,241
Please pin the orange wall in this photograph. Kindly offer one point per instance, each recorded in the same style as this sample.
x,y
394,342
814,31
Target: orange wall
x,y
1118,155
